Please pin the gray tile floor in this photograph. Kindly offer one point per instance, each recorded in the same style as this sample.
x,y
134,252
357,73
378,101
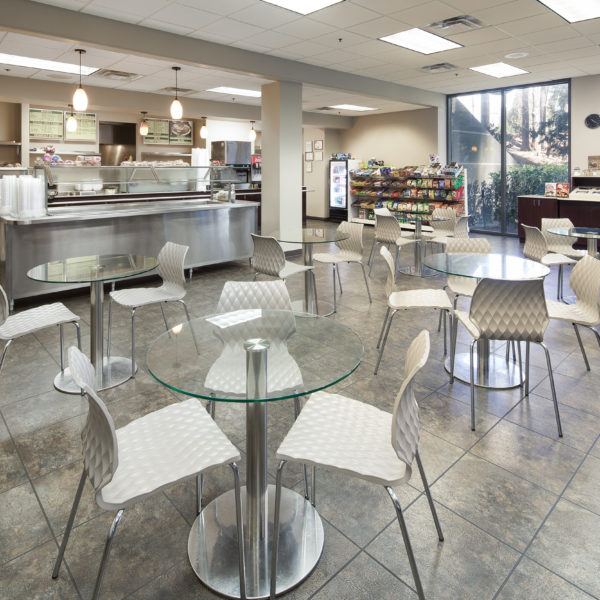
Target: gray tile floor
x,y
519,507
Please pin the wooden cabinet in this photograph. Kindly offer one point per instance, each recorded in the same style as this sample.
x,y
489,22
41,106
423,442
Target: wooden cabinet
x,y
581,212
532,209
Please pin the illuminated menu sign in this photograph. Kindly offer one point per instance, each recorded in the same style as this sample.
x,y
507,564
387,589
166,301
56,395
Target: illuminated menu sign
x,y
46,124
86,127
158,132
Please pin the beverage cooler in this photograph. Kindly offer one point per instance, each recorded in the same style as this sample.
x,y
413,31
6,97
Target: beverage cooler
x,y
339,188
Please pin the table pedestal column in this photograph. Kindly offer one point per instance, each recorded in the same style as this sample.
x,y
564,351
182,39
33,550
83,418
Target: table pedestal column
x,y
592,247
309,290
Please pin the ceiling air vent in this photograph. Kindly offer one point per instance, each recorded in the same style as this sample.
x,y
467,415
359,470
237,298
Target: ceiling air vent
x,y
462,22
172,89
439,68
325,108
116,75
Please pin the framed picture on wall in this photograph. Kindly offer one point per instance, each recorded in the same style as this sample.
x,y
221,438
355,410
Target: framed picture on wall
x,y
309,156
318,156
318,144
308,147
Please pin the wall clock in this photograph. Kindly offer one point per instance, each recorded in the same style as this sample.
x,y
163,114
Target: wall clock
x,y
592,121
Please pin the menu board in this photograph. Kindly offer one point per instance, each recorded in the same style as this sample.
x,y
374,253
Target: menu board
x,y
180,132
45,124
158,132
86,127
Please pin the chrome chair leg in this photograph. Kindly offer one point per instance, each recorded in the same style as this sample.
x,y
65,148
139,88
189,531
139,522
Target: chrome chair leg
x,y
440,322
297,409
133,343
453,337
559,283
527,356
407,544
275,545
314,279
387,331
4,353
313,499
334,291
109,328
429,498
337,270
387,314
553,388
240,530
162,310
371,253
397,265
366,283
107,547
443,315
521,381
199,491
78,330
585,359
65,540
472,377
61,335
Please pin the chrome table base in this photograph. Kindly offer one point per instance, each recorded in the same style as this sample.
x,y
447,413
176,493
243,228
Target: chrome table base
x,y
115,371
496,373
212,545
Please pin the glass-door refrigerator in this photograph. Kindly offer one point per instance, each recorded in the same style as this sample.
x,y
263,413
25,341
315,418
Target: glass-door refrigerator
x,y
339,179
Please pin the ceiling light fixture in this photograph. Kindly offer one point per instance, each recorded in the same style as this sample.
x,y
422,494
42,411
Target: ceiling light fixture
x,y
582,10
420,41
80,99
204,129
252,134
514,55
144,124
308,6
235,91
45,65
499,70
176,107
352,107
71,121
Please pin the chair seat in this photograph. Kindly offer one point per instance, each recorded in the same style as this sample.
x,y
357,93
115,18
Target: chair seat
x,y
412,227
436,235
405,241
567,251
462,286
338,257
291,268
552,259
425,298
134,297
463,317
573,313
34,319
345,435
161,448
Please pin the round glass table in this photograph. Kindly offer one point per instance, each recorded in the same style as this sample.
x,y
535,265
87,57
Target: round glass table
x,y
416,219
308,237
255,357
95,270
591,234
491,371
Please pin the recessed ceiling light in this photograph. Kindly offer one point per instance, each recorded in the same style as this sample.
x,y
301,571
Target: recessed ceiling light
x,y
572,11
46,65
305,7
420,41
235,91
352,107
513,55
499,70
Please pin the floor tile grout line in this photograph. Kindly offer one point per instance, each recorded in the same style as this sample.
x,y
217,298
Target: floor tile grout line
x,y
554,505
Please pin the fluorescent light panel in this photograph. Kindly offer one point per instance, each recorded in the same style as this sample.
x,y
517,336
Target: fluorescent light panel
x,y
235,91
46,65
420,41
352,107
499,70
303,7
574,10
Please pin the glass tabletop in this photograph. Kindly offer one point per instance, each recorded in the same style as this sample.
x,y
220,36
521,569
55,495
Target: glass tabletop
x,y
205,358
85,269
310,235
592,233
495,266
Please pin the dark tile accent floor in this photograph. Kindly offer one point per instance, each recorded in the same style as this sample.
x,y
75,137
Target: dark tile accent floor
x,y
520,508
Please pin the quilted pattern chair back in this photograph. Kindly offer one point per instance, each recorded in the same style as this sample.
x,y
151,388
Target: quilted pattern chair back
x,y
171,259
510,310
461,229
268,257
390,284
383,211
4,310
387,229
558,243
585,282
405,420
446,226
459,245
535,243
100,454
238,295
354,243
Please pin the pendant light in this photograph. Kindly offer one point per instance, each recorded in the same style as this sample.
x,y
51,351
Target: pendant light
x,y
144,124
80,99
252,134
71,121
204,129
176,108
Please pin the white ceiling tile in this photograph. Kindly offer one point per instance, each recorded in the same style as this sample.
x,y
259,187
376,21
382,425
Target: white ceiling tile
x,y
184,16
305,28
68,4
116,14
266,15
587,27
379,27
168,27
521,27
386,7
252,46
271,39
428,12
344,15
508,11
555,34
223,7
348,40
360,62
305,48
229,29
34,47
13,71
478,36
552,47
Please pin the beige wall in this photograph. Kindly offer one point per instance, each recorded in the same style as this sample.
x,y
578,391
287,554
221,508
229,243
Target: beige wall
x,y
585,92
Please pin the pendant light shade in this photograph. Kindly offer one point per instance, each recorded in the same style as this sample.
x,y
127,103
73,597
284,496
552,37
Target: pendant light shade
x,y
144,124
176,108
80,99
252,134
204,129
71,121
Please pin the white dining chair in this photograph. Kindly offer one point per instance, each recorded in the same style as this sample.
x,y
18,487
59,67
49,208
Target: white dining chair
x,y
443,222
585,312
144,457
350,251
359,440
506,310
461,231
560,244
171,260
388,233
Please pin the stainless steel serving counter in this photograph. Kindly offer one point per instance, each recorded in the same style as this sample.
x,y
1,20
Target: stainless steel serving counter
x,y
215,232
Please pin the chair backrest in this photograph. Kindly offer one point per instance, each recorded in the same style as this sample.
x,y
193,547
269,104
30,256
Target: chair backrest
x,y
449,222
268,257
556,242
468,246
461,229
383,211
585,282
4,308
171,259
100,450
239,295
390,282
510,310
387,229
355,242
535,243
405,419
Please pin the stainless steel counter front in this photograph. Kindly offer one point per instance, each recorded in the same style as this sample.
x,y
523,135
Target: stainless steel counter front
x,y
215,232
